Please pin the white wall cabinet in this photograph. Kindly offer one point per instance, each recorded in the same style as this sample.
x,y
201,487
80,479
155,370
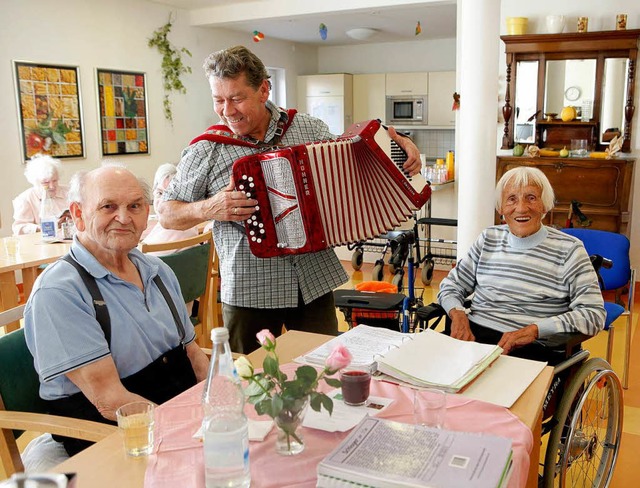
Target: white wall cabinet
x,y
442,84
368,97
328,97
407,84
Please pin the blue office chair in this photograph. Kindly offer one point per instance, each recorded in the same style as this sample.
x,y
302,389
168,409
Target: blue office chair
x,y
615,247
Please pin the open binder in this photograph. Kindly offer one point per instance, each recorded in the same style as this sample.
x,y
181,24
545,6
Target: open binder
x,y
425,359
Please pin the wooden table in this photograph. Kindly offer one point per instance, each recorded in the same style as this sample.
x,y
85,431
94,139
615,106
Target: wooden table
x,y
105,464
25,253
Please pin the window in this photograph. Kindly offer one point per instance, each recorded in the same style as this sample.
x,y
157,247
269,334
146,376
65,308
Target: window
x,y
278,93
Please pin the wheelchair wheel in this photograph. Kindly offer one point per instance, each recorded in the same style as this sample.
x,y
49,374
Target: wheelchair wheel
x,y
397,280
426,275
583,445
378,271
356,259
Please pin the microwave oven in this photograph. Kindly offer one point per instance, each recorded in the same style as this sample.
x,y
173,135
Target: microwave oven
x,y
406,110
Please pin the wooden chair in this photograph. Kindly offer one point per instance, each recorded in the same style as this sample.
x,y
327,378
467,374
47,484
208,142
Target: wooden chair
x,y
194,264
21,408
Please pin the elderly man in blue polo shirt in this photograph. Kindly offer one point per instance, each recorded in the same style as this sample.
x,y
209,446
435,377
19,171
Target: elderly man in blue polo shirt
x,y
90,365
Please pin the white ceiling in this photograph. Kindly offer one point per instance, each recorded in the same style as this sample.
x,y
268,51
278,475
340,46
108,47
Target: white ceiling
x,y
300,21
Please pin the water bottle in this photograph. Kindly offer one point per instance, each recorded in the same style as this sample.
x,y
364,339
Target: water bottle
x,y
225,428
48,219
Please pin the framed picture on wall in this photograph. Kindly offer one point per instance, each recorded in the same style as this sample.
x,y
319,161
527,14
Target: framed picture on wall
x,y
122,107
50,110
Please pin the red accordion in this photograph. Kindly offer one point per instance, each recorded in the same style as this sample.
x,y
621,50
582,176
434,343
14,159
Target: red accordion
x,y
324,194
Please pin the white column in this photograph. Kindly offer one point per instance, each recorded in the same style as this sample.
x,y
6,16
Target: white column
x,y
478,27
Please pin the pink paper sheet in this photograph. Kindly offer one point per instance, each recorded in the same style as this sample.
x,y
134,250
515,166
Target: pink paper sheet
x,y
178,458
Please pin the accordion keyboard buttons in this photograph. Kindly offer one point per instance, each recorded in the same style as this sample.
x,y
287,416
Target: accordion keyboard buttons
x,y
253,224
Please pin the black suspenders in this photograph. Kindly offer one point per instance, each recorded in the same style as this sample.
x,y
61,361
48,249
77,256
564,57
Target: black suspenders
x,y
102,313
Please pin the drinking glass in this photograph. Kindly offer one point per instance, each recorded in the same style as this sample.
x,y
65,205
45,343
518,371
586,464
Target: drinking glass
x,y
429,407
12,245
135,421
355,387
579,148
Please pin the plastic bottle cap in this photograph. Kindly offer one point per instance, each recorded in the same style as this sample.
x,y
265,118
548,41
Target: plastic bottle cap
x,y
219,334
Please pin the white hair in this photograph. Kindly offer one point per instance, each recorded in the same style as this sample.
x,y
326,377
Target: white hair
x,y
41,167
163,172
522,176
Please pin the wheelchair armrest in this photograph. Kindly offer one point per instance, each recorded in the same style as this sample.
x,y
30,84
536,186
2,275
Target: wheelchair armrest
x,y
565,341
431,311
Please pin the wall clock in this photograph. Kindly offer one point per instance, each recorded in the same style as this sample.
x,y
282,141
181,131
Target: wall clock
x,y
572,93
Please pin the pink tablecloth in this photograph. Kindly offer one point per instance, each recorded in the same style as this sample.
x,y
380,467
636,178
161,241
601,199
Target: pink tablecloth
x,y
178,460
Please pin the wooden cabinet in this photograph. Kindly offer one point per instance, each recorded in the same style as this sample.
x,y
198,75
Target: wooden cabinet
x,y
546,72
442,84
603,187
407,84
329,98
324,85
368,97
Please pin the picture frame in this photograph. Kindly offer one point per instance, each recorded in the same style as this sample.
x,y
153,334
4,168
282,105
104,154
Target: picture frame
x,y
49,106
122,109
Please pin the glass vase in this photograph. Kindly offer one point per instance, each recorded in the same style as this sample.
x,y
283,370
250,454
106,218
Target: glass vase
x,y
289,422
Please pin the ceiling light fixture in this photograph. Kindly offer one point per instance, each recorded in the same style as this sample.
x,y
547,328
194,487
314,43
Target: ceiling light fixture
x,y
362,33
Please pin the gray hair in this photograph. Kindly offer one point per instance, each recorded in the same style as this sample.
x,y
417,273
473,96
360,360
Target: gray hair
x,y
522,176
163,172
232,62
41,167
79,180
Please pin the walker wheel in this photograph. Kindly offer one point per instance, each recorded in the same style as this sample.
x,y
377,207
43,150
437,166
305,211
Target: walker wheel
x,y
378,272
426,275
357,258
397,280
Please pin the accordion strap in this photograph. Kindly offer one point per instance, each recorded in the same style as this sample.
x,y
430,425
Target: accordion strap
x,y
223,135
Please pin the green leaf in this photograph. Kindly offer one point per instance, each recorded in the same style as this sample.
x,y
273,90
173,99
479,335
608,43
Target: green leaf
x,y
315,401
307,374
271,366
336,383
276,405
327,403
253,388
58,138
264,407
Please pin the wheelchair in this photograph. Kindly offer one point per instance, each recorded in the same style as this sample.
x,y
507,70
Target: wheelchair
x,y
582,412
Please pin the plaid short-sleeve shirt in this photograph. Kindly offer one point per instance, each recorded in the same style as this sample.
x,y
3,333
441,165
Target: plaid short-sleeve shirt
x,y
249,281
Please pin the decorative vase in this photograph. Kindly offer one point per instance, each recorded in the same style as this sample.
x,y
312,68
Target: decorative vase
x,y
289,422
555,24
517,25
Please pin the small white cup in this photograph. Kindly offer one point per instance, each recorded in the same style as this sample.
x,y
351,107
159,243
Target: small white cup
x,y
554,23
429,407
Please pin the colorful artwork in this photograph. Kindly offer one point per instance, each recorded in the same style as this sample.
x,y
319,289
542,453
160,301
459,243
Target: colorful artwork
x,y
123,112
49,104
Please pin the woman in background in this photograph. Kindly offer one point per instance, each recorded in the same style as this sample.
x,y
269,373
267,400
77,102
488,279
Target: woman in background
x,y
158,234
42,172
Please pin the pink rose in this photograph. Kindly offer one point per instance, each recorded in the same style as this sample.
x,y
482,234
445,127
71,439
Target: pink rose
x,y
339,358
266,339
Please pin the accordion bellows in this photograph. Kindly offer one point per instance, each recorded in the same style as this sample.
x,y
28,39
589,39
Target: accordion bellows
x,y
324,194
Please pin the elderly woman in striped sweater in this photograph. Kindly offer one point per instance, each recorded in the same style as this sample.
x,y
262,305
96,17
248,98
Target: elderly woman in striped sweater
x,y
525,280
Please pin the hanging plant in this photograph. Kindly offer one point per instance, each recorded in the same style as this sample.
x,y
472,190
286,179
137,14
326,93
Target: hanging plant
x,y
172,66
